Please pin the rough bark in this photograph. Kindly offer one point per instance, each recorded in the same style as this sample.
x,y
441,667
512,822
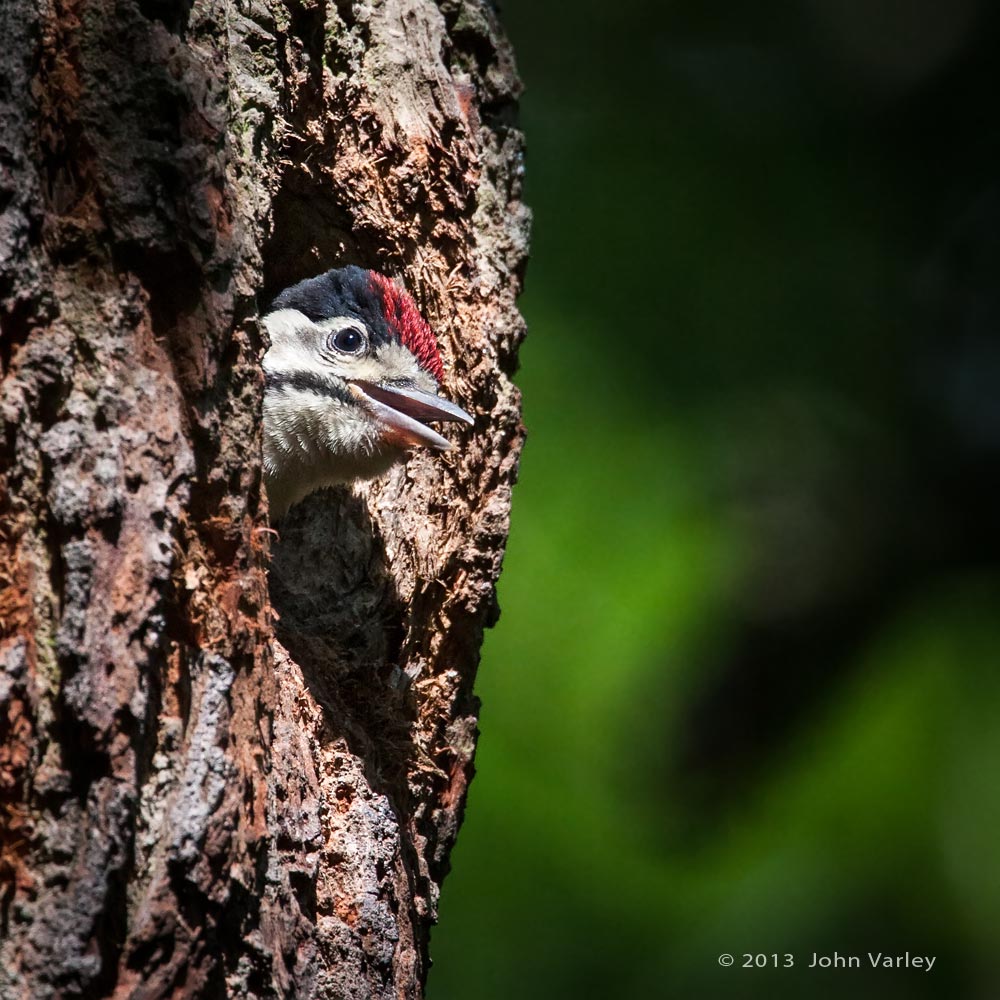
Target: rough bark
x,y
232,765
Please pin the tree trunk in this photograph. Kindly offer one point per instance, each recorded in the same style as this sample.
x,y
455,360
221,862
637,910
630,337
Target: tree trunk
x,y
233,765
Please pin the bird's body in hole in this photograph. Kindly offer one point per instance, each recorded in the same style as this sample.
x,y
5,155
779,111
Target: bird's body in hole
x,y
350,377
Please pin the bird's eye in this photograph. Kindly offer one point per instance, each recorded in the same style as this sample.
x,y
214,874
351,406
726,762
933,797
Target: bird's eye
x,y
347,341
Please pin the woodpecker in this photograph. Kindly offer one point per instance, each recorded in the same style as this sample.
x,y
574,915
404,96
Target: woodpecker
x,y
351,376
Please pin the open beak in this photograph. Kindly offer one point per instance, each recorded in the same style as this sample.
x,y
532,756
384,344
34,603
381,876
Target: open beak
x,y
402,411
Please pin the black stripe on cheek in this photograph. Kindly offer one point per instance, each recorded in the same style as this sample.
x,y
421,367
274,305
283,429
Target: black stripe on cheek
x,y
311,382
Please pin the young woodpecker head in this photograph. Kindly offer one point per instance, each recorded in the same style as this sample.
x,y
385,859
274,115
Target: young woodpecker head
x,y
351,376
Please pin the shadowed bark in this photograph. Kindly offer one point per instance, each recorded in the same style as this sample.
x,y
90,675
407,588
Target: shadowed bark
x,y
230,764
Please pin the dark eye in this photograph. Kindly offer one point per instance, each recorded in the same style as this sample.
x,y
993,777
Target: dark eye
x,y
348,341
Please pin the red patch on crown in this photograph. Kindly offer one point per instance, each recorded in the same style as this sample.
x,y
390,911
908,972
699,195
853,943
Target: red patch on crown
x,y
402,314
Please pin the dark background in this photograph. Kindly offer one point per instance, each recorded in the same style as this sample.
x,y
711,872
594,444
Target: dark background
x,y
744,695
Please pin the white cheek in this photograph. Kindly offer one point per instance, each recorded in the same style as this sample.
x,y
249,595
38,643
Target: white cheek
x,y
394,362
291,344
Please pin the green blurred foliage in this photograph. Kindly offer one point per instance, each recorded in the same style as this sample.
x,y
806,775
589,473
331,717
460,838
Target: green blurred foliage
x,y
744,693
